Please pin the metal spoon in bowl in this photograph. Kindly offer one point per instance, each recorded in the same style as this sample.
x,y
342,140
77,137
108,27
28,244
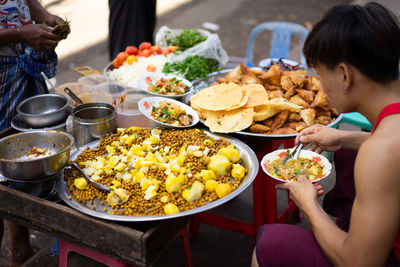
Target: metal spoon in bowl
x,y
294,155
87,177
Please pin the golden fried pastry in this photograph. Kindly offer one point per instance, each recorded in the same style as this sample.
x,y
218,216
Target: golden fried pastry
x,y
306,95
294,117
250,79
321,100
291,92
268,86
322,112
268,122
272,76
280,119
298,100
298,126
259,128
324,120
315,83
236,73
287,83
264,112
298,79
275,94
308,116
285,130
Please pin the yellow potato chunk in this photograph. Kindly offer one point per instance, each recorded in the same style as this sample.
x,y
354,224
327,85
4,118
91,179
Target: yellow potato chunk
x,y
207,175
80,183
238,172
193,192
219,164
171,208
211,185
173,183
223,190
231,153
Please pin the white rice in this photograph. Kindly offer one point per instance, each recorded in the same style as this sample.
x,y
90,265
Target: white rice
x,y
127,74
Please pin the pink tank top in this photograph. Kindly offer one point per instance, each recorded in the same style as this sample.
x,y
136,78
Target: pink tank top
x,y
387,111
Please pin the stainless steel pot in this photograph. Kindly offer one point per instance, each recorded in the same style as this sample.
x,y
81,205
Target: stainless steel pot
x,y
90,121
17,165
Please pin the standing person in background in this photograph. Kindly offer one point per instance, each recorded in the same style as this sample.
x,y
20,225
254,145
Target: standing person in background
x,y
26,50
131,22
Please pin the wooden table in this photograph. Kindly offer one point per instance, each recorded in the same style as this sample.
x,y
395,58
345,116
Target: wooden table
x,y
135,243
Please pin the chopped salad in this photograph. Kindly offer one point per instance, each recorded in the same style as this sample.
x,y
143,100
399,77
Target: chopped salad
x,y
166,86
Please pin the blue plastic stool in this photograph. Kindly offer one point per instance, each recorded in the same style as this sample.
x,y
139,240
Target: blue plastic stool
x,y
281,37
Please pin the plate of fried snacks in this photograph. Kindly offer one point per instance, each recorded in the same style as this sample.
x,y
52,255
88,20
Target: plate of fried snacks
x,y
168,112
158,174
164,85
273,103
313,165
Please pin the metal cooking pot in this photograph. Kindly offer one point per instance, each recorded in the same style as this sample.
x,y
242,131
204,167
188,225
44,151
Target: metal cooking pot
x,y
90,121
15,164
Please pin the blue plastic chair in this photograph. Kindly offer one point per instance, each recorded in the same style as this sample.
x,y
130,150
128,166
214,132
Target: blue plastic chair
x,y
356,119
280,42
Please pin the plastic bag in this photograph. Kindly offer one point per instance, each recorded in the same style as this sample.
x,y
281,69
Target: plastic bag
x,y
210,48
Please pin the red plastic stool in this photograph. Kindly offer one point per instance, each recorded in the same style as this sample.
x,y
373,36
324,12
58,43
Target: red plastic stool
x,y
66,248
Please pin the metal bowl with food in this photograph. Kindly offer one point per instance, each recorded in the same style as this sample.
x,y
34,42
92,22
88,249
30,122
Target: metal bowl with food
x,y
34,155
44,110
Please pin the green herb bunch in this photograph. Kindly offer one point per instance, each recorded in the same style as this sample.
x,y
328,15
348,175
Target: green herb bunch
x,y
187,39
192,67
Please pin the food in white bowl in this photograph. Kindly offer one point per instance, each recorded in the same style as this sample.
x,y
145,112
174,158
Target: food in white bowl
x,y
168,112
167,85
313,165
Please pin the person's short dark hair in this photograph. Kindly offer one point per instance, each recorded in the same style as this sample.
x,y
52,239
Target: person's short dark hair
x,y
366,37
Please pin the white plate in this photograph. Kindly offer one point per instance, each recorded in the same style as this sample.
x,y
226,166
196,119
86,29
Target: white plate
x,y
146,104
267,159
265,62
143,83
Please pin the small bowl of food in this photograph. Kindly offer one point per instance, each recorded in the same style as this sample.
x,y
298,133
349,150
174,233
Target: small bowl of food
x,y
168,112
164,85
313,165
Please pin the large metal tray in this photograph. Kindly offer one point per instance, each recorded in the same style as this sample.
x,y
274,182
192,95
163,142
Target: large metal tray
x,y
200,84
249,161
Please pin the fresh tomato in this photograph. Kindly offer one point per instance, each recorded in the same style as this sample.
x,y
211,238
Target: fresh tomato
x,y
131,50
116,63
144,45
121,57
165,51
131,59
156,49
173,48
151,68
146,53
148,80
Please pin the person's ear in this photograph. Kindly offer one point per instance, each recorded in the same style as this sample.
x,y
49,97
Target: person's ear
x,y
345,76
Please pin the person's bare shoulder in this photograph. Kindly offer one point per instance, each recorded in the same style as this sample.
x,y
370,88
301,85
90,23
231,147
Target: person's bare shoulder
x,y
378,159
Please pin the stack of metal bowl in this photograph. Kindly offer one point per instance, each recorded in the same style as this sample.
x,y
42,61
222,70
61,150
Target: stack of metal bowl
x,y
34,173
45,111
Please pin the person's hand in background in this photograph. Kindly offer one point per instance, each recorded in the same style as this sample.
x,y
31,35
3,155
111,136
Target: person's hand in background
x,y
39,37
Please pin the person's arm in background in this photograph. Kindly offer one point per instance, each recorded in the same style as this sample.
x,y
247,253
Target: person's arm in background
x,y
37,36
41,15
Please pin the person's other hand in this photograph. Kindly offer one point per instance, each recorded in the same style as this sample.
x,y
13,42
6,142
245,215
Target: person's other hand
x,y
302,191
322,138
53,20
39,37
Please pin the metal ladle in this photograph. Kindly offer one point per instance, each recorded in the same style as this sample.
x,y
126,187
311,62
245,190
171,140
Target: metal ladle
x,y
87,177
73,96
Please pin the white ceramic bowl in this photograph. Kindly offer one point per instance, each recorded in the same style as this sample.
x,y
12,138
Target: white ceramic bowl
x,y
267,159
146,105
143,83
